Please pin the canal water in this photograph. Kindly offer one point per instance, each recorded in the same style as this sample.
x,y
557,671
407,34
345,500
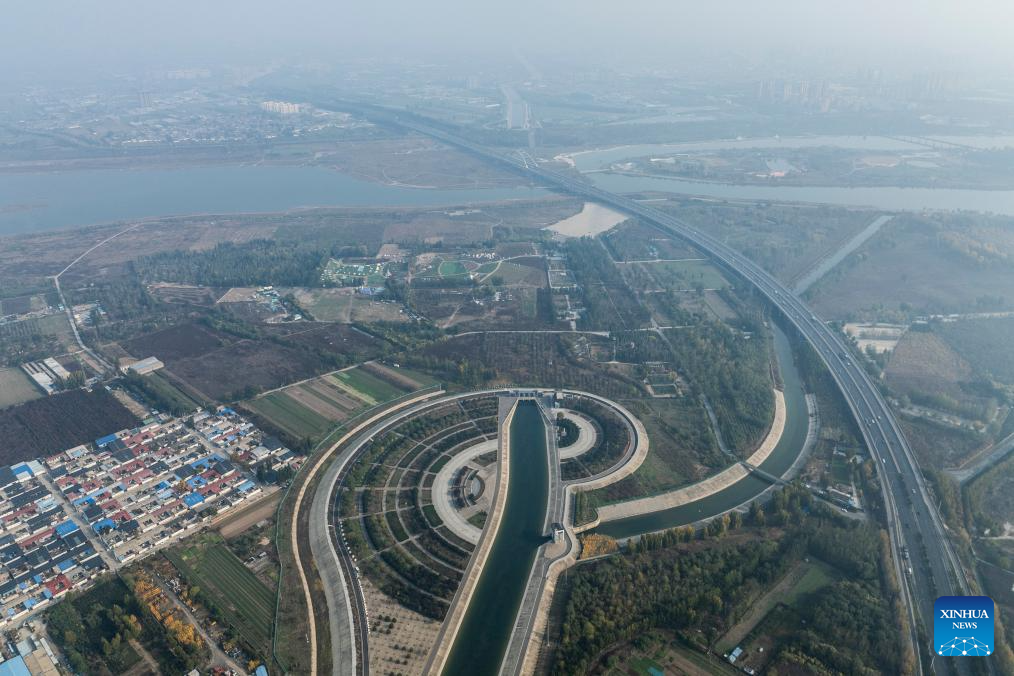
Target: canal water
x,y
486,628
34,202
780,460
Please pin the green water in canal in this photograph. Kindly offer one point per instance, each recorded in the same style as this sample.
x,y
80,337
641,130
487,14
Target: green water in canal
x,y
781,458
486,628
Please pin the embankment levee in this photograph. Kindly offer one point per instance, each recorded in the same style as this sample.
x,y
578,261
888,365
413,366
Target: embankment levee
x,y
704,488
306,482
459,605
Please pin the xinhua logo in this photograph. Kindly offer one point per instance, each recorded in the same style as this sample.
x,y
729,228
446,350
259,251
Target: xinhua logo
x,y
963,626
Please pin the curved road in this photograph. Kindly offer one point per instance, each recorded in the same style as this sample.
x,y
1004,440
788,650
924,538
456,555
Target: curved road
x,y
912,517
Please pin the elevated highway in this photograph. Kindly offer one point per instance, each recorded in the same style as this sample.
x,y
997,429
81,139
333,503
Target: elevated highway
x,y
912,517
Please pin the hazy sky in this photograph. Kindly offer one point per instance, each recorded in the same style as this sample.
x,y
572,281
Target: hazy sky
x,y
44,37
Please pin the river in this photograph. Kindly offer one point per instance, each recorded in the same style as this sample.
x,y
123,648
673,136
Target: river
x,y
592,162
744,490
34,202
485,630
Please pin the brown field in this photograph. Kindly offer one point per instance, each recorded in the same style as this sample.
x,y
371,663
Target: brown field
x,y
176,343
223,374
340,338
937,446
923,362
239,522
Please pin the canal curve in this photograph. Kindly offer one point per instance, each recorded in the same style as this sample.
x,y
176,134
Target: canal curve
x,y
749,487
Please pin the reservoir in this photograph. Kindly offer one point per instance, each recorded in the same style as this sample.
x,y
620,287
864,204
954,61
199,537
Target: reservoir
x,y
34,202
780,460
489,619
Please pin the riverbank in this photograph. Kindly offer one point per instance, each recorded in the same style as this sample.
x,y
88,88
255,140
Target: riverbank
x,y
592,220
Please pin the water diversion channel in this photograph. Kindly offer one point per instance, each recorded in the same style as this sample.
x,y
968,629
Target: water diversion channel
x,y
749,487
486,628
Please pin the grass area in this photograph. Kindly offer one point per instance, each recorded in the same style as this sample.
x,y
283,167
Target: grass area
x,y
16,387
645,666
689,274
794,588
328,305
659,652
167,393
235,595
451,269
817,576
681,443
840,470
514,273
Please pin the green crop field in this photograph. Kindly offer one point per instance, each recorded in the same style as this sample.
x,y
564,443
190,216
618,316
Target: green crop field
x,y
240,599
373,387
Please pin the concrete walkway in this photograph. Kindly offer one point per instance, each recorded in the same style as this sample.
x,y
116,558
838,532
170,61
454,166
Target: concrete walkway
x,y
586,435
452,517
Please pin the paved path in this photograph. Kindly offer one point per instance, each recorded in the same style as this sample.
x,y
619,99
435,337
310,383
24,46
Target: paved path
x,y
586,435
452,517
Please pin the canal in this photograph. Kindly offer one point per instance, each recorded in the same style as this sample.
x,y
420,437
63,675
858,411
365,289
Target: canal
x,y
486,627
780,460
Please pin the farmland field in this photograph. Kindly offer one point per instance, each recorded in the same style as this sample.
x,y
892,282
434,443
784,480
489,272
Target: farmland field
x,y
16,387
183,341
239,598
516,273
311,408
374,389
